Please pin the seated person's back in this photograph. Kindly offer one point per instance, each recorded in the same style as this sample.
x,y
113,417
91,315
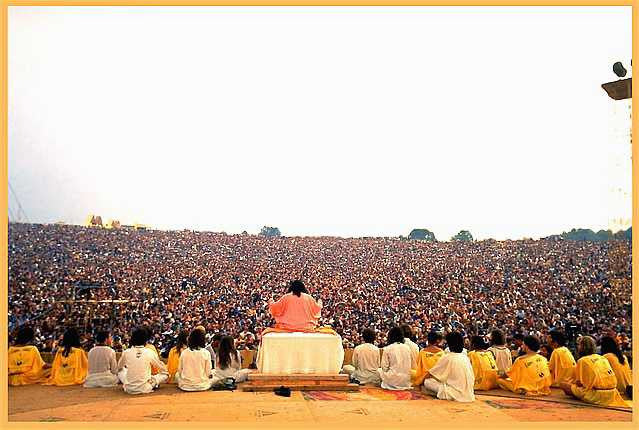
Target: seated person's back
x,y
502,354
452,378
135,366
484,365
70,365
195,370
366,360
618,361
529,374
428,357
173,362
103,366
595,381
228,362
26,366
297,310
562,363
397,362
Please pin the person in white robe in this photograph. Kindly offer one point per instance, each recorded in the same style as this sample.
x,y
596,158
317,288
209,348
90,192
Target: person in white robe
x,y
195,371
228,363
103,367
366,360
134,367
408,336
452,377
397,362
500,351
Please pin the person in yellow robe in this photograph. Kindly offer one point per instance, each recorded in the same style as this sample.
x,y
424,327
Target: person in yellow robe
x,y
149,345
529,374
174,354
484,364
427,358
618,361
26,366
595,381
71,364
562,364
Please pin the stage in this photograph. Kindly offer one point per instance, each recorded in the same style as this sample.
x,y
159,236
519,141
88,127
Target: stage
x,y
370,406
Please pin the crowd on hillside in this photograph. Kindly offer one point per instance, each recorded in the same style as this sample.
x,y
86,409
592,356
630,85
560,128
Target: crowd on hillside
x,y
170,281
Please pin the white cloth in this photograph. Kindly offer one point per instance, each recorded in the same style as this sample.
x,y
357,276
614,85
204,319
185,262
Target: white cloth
x,y
135,370
101,380
455,376
287,353
464,351
195,370
365,363
102,368
503,357
414,349
397,362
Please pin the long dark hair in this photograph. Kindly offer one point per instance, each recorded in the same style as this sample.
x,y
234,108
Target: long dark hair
x,y
297,287
197,339
70,340
609,345
182,340
227,351
25,335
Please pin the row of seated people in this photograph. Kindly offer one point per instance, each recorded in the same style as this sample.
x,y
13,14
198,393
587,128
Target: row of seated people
x,y
192,364
454,373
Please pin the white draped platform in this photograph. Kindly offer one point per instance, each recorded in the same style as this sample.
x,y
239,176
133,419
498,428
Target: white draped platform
x,y
308,353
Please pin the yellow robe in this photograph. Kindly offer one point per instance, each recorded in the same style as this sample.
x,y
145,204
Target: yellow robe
x,y
529,375
173,363
26,364
562,366
484,368
69,370
425,361
154,370
622,373
598,382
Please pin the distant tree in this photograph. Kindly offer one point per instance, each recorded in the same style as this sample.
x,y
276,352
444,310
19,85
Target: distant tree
x,y
462,236
589,235
270,232
603,235
422,234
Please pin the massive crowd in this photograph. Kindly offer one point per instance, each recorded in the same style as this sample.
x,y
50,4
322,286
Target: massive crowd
x,y
175,280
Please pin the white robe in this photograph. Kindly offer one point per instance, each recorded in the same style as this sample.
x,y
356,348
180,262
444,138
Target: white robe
x,y
195,370
503,357
397,362
452,378
102,368
365,364
414,348
135,370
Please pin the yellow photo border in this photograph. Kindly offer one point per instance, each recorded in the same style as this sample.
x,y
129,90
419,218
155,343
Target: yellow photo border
x,y
4,290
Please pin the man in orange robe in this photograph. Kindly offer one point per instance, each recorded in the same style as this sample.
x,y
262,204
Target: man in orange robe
x,y
296,311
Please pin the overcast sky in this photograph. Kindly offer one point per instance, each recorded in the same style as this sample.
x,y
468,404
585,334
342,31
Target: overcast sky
x,y
321,121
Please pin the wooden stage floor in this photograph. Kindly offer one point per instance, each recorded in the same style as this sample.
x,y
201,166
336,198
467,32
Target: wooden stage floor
x,y
371,406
